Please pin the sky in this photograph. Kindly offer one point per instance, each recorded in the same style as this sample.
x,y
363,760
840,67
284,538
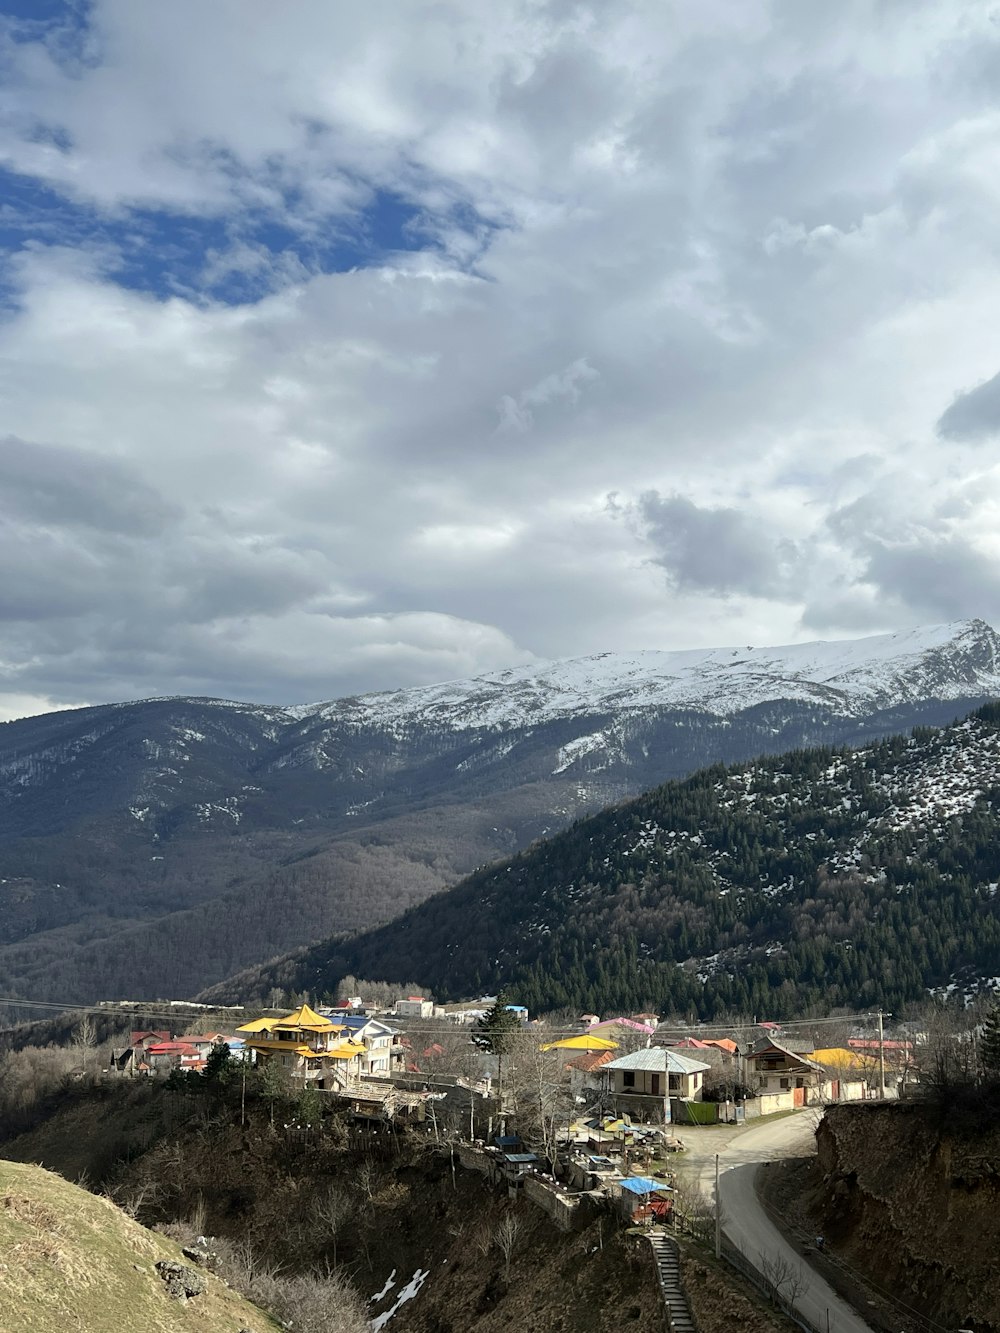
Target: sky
x,y
351,347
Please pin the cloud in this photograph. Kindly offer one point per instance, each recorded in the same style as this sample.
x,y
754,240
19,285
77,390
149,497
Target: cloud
x,y
716,550
973,416
325,335
55,485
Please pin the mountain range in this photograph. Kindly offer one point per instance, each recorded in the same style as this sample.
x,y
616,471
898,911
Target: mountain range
x,y
811,880
154,848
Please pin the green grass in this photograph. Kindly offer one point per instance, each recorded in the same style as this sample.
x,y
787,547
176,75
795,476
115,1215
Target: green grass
x,y
71,1261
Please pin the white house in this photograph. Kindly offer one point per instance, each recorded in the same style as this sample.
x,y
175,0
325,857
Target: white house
x,y
381,1042
414,1006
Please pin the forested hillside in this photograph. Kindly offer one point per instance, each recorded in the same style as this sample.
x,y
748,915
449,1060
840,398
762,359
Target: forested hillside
x,y
818,878
151,849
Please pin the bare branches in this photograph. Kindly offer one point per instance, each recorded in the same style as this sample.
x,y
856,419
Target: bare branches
x,y
505,1236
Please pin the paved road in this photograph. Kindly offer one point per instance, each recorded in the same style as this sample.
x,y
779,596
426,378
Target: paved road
x,y
745,1222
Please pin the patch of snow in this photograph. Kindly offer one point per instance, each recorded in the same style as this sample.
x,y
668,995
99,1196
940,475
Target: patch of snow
x,y
390,1282
407,1294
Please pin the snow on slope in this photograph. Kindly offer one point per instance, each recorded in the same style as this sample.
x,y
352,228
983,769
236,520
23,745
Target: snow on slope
x,y
956,660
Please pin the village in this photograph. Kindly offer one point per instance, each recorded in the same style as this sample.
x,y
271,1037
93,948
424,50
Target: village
x,y
593,1112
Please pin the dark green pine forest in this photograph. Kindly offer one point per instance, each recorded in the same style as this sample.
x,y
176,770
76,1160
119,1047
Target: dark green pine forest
x,y
797,883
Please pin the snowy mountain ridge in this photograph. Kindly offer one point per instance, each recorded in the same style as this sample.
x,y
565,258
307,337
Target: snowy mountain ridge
x,y
140,812
854,676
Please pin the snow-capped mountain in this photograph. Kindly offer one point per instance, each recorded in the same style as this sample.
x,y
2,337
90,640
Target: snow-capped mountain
x,y
356,808
855,676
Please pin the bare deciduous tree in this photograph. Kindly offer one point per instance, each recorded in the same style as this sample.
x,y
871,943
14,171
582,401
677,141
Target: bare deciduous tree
x,y
84,1037
505,1236
331,1213
787,1279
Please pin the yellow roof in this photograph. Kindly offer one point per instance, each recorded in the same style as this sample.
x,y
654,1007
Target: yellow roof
x,y
304,1017
347,1051
585,1042
258,1025
285,1046
839,1057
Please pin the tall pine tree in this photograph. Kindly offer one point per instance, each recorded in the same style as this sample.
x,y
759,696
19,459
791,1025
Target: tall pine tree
x,y
494,1032
989,1044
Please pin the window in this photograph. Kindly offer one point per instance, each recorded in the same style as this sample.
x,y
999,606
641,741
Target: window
x,y
785,1084
675,1082
628,1079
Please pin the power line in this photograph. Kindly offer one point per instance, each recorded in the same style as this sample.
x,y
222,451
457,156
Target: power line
x,y
437,1026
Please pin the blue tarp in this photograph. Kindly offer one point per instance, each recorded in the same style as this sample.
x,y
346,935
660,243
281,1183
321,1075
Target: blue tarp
x,y
641,1185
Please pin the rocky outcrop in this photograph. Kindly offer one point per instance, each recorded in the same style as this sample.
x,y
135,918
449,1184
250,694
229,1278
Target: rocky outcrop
x,y
912,1196
181,1282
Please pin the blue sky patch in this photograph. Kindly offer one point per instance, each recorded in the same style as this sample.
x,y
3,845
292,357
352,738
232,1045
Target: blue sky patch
x,y
234,259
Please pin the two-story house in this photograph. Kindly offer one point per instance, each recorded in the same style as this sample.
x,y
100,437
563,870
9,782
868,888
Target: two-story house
x,y
383,1050
779,1069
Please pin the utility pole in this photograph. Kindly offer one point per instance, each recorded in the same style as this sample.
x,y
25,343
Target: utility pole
x,y
881,1058
718,1212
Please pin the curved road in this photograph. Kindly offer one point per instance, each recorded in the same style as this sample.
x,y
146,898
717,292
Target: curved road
x,y
745,1222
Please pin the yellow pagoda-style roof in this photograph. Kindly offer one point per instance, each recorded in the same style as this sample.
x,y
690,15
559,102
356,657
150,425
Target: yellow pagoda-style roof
x,y
305,1018
346,1051
585,1042
258,1025
285,1047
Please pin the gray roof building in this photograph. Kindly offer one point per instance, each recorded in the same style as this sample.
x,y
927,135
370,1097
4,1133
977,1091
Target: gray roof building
x,y
658,1060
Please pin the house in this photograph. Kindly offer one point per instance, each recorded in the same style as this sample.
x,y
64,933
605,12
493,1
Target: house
x,y
850,1076
644,1082
645,1200
143,1038
414,1006
781,1070
306,1046
163,1056
383,1049
587,1078
628,1030
134,1059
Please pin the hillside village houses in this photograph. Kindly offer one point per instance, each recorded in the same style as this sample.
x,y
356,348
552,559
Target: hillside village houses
x,y
630,1068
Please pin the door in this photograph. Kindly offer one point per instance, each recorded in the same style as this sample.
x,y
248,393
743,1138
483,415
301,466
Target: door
x,y
798,1096
656,1085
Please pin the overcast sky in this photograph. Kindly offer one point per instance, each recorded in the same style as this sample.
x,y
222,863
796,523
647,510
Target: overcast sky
x,y
350,346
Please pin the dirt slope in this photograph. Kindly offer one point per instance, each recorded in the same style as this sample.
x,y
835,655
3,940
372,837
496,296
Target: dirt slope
x,y
913,1198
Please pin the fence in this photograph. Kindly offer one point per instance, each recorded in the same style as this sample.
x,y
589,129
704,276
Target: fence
x,y
779,1290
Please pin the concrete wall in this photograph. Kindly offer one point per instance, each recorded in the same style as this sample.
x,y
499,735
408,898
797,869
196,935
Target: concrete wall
x,y
769,1102
567,1211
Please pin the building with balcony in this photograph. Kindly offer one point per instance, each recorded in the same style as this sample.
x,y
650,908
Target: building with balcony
x,y
643,1083
307,1046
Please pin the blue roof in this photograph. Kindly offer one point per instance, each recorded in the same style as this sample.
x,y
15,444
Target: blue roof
x,y
641,1185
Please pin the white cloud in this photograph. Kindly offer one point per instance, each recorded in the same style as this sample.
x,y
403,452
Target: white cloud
x,y
742,257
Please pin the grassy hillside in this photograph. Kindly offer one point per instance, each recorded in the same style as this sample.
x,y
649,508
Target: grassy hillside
x,y
71,1260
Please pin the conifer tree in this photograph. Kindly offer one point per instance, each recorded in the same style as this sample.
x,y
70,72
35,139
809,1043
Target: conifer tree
x,y
989,1043
494,1032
